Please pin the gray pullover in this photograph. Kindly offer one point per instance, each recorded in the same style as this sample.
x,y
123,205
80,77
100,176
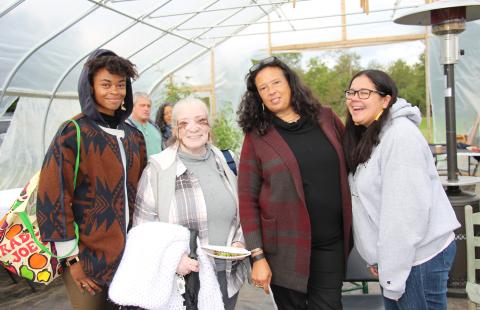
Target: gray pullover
x,y
401,214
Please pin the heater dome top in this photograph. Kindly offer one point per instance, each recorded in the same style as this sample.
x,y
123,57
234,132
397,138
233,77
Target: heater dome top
x,y
421,16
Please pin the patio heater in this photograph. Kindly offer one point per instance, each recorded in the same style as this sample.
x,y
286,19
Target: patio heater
x,y
447,19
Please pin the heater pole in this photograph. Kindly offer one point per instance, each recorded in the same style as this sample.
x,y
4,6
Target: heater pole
x,y
451,128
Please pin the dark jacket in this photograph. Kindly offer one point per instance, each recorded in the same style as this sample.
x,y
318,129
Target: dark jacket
x,y
273,212
98,203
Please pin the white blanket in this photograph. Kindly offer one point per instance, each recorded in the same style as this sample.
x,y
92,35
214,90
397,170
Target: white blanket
x,y
146,275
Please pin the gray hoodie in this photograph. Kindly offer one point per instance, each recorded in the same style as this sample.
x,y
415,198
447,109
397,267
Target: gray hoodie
x,y
401,214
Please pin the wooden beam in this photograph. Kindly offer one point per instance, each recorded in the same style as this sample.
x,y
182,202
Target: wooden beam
x,y
365,6
344,21
213,107
349,43
269,36
197,88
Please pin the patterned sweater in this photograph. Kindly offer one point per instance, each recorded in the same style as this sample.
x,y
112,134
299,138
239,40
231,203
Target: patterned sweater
x,y
105,185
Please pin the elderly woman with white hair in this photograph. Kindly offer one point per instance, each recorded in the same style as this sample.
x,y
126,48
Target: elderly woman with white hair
x,y
191,184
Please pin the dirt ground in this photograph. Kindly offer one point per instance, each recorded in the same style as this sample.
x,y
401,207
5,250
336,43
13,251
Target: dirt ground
x,y
19,296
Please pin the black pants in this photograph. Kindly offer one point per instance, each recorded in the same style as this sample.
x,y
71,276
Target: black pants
x,y
324,285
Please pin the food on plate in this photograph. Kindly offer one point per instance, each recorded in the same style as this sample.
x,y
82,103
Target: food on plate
x,y
227,254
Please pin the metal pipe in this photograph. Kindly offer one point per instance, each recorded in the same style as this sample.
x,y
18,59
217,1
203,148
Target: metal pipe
x,y
450,122
196,56
10,8
140,20
227,8
291,19
297,30
65,74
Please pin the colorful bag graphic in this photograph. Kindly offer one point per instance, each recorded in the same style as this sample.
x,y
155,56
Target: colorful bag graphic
x,y
21,250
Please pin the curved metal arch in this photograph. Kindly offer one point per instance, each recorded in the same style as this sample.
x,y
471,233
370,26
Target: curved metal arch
x,y
171,28
196,37
198,55
300,18
11,7
147,24
229,8
65,74
40,45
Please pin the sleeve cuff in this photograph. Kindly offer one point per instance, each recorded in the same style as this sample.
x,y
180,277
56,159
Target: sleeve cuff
x,y
392,294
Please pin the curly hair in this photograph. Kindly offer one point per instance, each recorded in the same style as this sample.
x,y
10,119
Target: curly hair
x,y
360,140
114,64
251,114
159,121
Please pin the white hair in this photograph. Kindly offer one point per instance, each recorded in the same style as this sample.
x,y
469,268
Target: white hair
x,y
139,94
189,101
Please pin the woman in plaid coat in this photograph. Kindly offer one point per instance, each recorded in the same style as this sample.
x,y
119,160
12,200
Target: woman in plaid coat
x,y
295,206
191,184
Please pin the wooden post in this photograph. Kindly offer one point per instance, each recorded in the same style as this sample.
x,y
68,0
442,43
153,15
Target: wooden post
x,y
427,92
428,98
344,21
269,36
213,107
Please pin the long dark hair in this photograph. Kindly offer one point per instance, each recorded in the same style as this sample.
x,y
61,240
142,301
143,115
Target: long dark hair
x,y
159,121
359,141
252,116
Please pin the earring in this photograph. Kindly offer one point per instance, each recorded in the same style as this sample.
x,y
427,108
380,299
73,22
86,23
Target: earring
x,y
263,107
123,106
378,115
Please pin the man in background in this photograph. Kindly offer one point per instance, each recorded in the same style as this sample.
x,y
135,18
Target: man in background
x,y
140,118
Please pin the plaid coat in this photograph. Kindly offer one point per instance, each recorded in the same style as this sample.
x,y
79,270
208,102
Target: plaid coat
x,y
273,212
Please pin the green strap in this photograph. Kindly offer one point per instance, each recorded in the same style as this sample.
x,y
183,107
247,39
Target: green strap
x,y
26,221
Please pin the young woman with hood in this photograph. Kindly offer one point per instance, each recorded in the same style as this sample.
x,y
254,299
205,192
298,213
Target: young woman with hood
x,y
403,222
112,158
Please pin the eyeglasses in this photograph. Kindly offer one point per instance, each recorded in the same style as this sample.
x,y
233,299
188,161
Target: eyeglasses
x,y
363,93
262,62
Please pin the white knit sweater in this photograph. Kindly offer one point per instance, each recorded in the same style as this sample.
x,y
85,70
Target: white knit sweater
x,y
146,275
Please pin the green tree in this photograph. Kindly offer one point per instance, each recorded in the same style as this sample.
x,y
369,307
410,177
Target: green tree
x,y
317,78
327,84
225,133
174,92
410,80
293,60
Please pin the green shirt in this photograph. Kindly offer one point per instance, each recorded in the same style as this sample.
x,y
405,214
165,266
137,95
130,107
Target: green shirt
x,y
152,136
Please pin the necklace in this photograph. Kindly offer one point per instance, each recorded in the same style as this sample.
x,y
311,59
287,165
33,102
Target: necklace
x,y
295,118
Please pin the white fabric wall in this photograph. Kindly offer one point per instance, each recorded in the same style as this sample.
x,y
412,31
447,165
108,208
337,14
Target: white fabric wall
x,y
21,151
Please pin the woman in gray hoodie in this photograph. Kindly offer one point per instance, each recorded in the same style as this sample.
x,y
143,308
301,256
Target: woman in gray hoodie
x,y
403,222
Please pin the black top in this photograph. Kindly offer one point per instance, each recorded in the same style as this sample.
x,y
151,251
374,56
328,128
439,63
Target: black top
x,y
319,169
112,121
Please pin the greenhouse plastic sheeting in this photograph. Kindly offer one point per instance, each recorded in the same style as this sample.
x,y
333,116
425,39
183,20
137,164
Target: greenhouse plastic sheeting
x,y
43,45
21,151
467,77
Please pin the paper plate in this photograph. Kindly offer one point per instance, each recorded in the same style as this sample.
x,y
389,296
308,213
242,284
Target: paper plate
x,y
225,252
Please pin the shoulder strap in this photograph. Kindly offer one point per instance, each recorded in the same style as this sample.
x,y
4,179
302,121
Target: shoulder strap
x,y
230,161
25,219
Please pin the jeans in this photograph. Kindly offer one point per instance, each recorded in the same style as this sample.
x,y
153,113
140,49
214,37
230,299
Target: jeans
x,y
426,286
